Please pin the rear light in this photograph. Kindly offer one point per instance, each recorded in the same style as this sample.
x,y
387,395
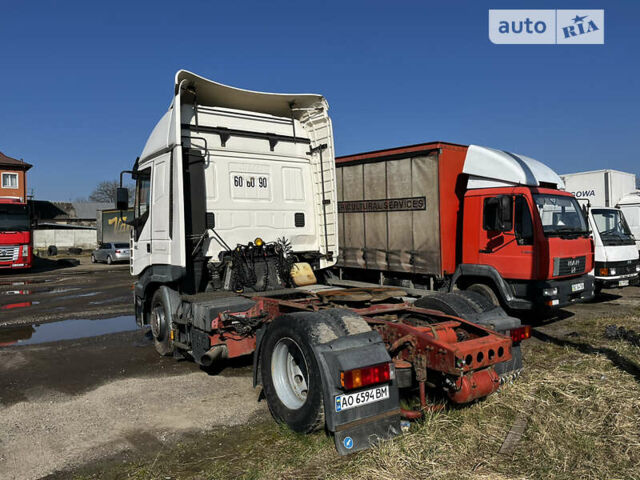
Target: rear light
x,y
25,250
521,333
361,377
119,251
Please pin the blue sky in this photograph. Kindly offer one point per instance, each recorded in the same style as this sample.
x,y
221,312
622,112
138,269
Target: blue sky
x,y
83,83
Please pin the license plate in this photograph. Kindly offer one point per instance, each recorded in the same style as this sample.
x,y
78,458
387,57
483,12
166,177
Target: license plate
x,y
351,400
576,287
623,283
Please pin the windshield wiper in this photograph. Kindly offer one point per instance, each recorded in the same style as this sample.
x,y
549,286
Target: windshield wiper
x,y
566,230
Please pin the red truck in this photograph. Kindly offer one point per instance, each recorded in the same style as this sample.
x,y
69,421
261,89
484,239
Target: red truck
x,y
442,216
16,238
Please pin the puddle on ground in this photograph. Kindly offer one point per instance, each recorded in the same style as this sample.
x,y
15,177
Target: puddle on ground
x,y
65,330
41,290
10,306
16,292
19,283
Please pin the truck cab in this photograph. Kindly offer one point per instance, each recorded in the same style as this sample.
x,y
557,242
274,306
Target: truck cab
x,y
630,206
535,238
616,254
16,240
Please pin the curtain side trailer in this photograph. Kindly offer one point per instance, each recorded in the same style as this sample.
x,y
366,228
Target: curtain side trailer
x,y
235,214
442,216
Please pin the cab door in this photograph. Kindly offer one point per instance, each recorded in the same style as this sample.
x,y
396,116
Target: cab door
x,y
161,211
509,249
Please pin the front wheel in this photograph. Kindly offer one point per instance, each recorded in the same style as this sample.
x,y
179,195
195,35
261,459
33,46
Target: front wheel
x,y
291,376
160,320
93,258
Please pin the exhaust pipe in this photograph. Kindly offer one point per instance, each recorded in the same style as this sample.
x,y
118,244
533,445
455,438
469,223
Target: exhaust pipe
x,y
219,352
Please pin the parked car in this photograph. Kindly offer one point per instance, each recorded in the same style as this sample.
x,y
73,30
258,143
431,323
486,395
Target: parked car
x,y
111,252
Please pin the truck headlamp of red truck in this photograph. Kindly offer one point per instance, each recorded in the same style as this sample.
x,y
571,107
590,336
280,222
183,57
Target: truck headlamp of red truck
x,y
521,333
362,377
550,292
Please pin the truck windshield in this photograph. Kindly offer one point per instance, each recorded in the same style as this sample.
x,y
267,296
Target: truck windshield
x,y
14,218
560,214
611,225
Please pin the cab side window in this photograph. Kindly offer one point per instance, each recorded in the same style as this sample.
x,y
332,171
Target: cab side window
x,y
523,222
143,197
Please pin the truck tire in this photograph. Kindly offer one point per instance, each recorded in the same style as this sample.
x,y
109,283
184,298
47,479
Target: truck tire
x,y
480,302
291,377
160,321
447,303
465,304
486,291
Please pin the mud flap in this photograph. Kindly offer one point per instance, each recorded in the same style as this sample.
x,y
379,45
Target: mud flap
x,y
359,427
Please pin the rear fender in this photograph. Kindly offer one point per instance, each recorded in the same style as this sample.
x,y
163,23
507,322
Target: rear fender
x,y
359,427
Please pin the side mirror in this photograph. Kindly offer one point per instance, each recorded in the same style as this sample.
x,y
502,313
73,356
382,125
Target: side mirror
x,y
122,198
505,212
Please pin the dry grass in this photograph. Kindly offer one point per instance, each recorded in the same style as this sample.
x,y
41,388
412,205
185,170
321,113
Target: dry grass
x,y
583,415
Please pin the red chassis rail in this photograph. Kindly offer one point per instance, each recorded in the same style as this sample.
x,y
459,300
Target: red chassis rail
x,y
443,350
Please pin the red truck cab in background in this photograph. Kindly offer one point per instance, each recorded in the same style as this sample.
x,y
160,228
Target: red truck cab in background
x,y
16,237
443,216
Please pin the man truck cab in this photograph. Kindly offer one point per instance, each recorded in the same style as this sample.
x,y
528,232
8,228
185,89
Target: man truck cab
x,y
444,216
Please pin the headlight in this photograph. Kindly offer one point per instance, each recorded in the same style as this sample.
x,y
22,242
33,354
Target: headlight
x,y
549,292
637,267
612,271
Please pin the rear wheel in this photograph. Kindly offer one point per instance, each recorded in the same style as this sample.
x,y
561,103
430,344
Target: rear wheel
x,y
486,291
447,303
160,320
467,304
291,376
109,260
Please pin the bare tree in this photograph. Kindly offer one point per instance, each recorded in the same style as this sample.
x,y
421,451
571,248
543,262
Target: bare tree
x,y
106,192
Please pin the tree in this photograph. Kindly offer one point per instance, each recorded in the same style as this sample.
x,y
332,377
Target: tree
x,y
106,192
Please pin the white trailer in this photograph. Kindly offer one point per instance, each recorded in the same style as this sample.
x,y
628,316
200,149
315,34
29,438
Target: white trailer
x,y
616,253
602,188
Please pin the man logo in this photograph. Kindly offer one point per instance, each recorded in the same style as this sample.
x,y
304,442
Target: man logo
x,y
546,26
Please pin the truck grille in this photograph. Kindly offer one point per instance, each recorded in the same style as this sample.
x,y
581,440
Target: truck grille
x,y
568,266
624,267
9,254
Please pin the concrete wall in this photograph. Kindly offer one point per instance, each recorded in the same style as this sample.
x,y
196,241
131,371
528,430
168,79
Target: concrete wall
x,y
85,239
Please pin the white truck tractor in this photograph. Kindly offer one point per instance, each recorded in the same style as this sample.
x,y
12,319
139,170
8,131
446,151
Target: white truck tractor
x,y
235,214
